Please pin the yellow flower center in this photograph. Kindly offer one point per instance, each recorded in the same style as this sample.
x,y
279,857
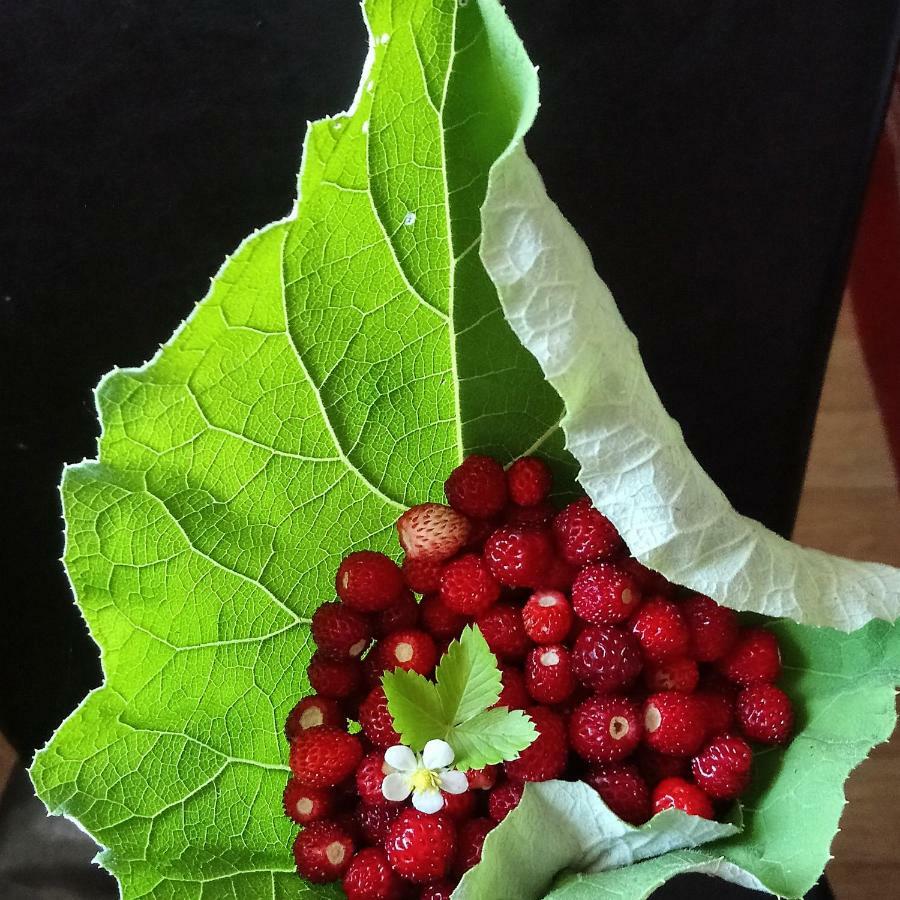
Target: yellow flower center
x,y
425,780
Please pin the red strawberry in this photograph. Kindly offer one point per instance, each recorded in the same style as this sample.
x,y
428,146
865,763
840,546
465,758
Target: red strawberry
x,y
313,711
518,557
477,487
680,794
661,629
337,679
368,581
325,756
440,890
323,851
606,658
548,674
514,694
676,674
370,773
420,846
656,766
547,617
623,789
439,620
649,582
585,535
722,767
370,877
458,806
375,821
305,804
468,587
529,481
674,723
713,628
503,630
376,721
422,575
504,798
340,632
470,840
546,757
754,659
403,614
765,714
432,531
411,650
604,594
605,729
482,779
718,709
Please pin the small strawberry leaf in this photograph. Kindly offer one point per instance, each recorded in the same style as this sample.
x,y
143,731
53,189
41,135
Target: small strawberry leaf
x,y
467,677
491,737
415,706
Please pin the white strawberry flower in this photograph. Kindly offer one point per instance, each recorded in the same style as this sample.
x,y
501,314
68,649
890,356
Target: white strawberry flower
x,y
424,776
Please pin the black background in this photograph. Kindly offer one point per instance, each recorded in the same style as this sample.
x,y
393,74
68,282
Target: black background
x,y
713,155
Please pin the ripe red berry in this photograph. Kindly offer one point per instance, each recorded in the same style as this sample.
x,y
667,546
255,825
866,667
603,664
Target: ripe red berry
x,y
440,890
656,766
313,711
467,586
504,632
439,620
680,794
376,721
420,846
432,531
325,756
477,487
370,773
674,723
713,628
482,779
548,674
547,617
340,632
661,630
337,679
403,614
605,729
470,840
513,694
765,714
304,804
518,556
368,581
370,877
649,581
722,767
411,650
676,674
374,821
585,535
422,575
504,798
546,757
458,806
754,659
718,708
623,789
606,658
323,851
604,594
529,481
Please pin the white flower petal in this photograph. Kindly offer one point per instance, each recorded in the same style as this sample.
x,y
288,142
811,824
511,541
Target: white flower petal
x,y
454,782
401,758
437,755
396,786
429,801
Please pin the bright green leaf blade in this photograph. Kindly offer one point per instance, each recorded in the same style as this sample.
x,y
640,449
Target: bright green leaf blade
x,y
468,679
415,706
491,737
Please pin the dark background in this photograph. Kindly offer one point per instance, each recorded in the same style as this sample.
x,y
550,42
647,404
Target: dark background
x,y
712,154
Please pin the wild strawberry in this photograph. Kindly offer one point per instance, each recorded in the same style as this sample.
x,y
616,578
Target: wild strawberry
x,y
375,821
547,617
661,629
545,758
718,709
680,794
674,723
368,581
585,535
477,487
765,714
323,851
422,575
548,674
304,804
656,766
504,798
604,594
337,679
502,628
529,481
467,586
458,806
722,767
518,557
370,773
439,890
325,756
754,659
420,846
713,628
623,789
676,674
470,840
482,779
376,721
513,694
605,729
439,620
340,632
649,581
313,711
536,516
432,531
412,650
370,877
606,658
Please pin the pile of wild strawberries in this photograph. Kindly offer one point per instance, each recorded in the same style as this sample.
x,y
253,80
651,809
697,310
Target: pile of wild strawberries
x,y
643,690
